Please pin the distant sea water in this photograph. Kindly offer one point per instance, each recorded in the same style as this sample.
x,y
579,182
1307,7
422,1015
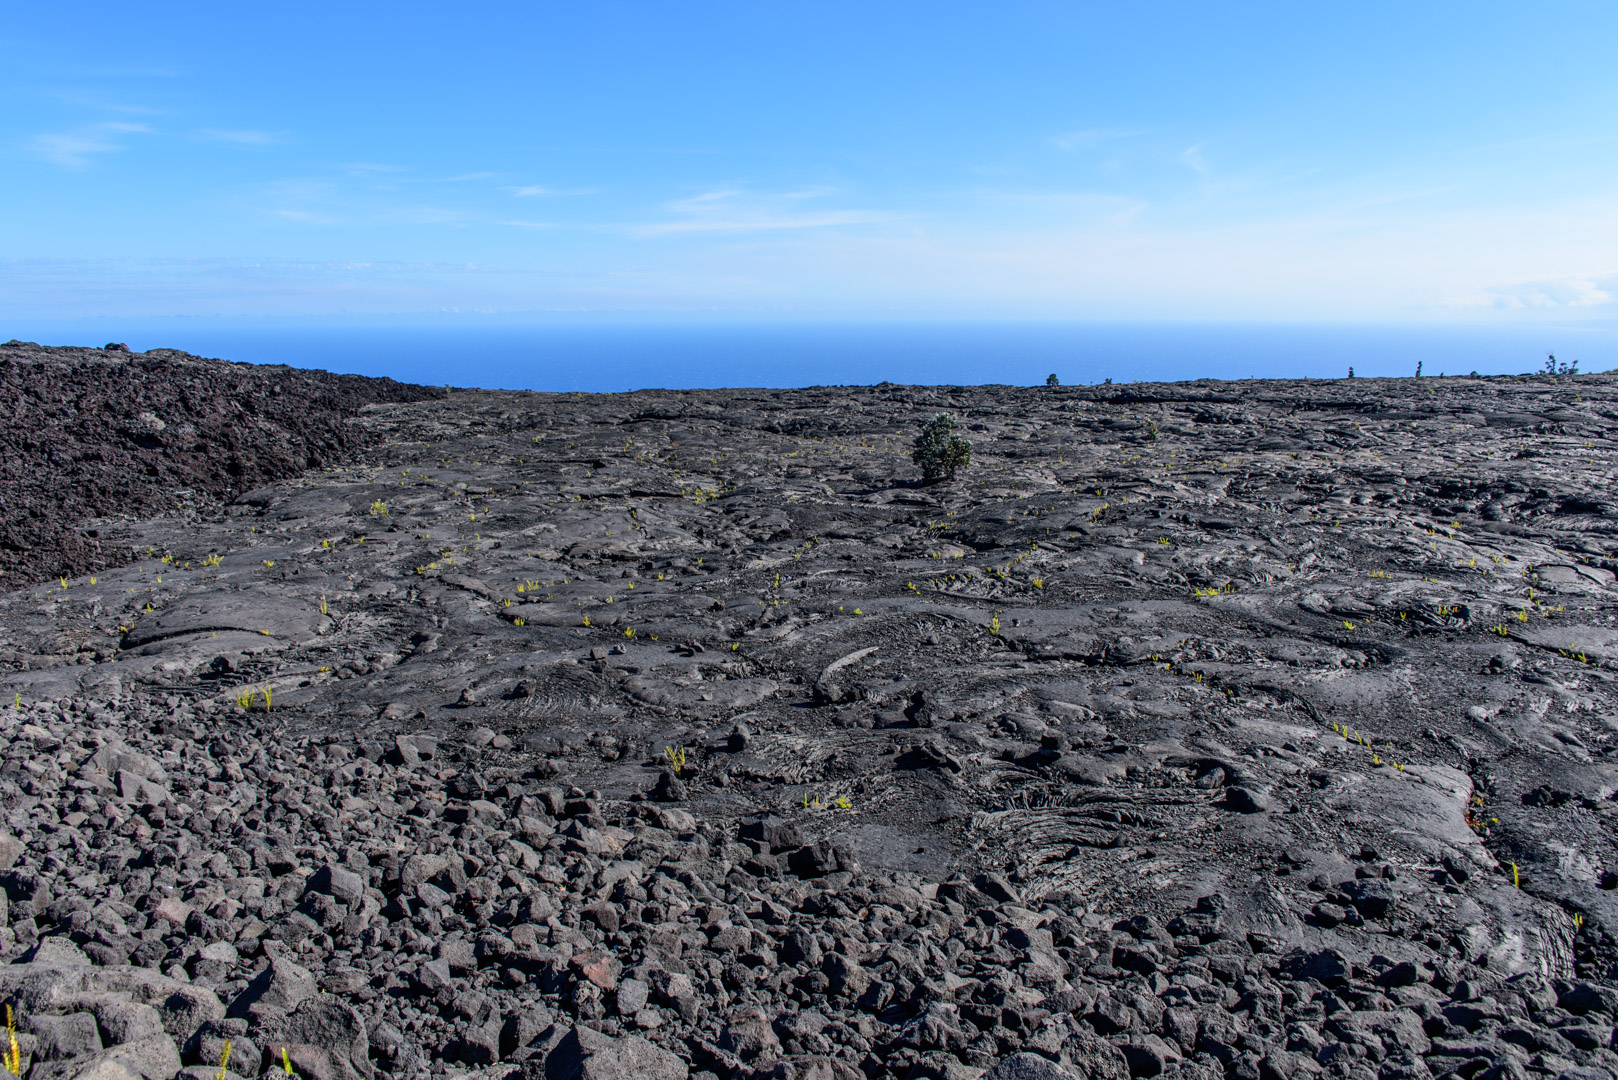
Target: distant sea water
x,y
612,357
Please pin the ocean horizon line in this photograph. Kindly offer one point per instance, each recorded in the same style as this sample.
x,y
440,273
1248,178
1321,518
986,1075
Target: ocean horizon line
x,y
619,356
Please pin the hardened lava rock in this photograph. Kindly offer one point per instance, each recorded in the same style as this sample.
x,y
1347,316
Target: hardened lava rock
x,y
1259,730
95,434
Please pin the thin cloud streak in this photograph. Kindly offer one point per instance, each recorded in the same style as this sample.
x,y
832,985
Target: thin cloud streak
x,y
74,149
1069,209
1562,292
242,138
1091,138
764,224
303,217
541,191
730,210
101,104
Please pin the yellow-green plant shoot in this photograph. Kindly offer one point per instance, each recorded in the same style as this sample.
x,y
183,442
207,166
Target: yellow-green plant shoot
x,y
13,1050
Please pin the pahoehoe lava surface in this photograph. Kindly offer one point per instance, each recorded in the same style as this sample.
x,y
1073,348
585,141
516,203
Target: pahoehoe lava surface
x,y
1260,729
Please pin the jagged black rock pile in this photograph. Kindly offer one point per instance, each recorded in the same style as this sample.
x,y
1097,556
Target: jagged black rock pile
x,y
106,433
183,889
1260,730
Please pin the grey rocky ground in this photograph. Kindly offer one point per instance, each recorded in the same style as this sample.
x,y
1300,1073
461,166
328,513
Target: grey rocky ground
x,y
1263,729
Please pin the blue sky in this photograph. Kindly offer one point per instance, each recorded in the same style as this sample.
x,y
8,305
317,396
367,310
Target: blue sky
x,y
1175,161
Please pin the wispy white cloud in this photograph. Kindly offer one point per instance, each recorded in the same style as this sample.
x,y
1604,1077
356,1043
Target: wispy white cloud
x,y
1564,291
458,178
346,203
306,202
422,215
74,149
1063,209
303,217
542,191
102,69
104,104
247,137
1090,138
1191,157
738,211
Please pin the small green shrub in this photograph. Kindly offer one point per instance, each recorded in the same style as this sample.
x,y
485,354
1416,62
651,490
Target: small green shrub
x,y
1052,380
939,452
1553,366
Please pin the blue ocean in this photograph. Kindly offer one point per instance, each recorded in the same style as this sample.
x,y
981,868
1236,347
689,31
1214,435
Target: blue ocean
x,y
629,355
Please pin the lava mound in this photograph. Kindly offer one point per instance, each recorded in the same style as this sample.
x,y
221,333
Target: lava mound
x,y
96,434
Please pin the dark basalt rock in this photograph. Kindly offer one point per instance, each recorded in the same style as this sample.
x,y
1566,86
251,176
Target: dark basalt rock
x,y
96,434
1258,730
1247,800
779,835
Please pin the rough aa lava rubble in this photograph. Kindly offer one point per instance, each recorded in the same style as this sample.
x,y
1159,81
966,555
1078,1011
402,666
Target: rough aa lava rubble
x,y
1258,729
